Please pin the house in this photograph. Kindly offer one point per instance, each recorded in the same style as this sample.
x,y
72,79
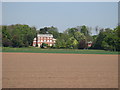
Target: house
x,y
89,44
44,38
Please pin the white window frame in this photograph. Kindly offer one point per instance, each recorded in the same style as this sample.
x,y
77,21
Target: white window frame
x,y
41,40
50,40
44,40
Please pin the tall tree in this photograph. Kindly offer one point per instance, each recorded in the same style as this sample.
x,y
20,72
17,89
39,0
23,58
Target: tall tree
x,y
18,35
49,30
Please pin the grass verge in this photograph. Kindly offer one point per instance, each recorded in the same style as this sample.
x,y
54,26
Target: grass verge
x,y
68,51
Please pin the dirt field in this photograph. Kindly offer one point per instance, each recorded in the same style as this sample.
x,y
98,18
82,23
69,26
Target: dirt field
x,y
37,70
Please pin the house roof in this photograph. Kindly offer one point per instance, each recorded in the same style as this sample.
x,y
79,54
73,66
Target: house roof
x,y
45,35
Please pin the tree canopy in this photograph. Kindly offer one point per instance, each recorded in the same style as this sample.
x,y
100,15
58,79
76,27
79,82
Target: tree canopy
x,y
75,38
18,35
108,39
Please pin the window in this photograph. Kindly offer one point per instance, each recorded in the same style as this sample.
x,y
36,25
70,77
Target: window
x,y
50,40
44,40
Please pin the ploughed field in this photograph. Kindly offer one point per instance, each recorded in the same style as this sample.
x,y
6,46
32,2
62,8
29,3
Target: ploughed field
x,y
43,70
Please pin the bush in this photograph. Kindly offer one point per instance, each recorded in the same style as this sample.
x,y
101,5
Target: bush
x,y
44,45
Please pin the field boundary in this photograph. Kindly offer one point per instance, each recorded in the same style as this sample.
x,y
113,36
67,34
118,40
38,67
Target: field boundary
x,y
58,53
64,51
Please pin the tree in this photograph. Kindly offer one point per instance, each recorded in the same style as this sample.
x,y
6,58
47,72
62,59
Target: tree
x,y
82,41
85,30
49,30
72,43
6,37
71,32
78,34
54,31
62,40
108,39
99,39
43,30
18,35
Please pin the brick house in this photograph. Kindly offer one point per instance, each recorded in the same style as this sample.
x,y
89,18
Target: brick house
x,y
89,44
44,38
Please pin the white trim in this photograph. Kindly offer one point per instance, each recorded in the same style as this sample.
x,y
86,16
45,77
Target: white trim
x,y
41,40
45,35
44,41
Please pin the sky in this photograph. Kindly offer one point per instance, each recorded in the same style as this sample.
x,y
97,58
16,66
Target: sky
x,y
62,15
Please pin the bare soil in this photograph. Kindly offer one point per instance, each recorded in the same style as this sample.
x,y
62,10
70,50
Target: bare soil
x,y
39,70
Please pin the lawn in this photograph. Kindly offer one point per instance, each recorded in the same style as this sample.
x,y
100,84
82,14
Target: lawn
x,y
72,51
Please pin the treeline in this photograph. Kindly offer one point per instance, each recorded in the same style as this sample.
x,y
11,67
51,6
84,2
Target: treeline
x,y
18,35
74,38
107,39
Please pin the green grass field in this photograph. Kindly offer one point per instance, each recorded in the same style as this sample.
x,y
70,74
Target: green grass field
x,y
72,51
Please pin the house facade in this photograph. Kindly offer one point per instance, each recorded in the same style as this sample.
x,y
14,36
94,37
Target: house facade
x,y
44,38
89,44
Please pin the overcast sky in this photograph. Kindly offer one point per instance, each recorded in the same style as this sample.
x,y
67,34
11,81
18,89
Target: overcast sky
x,y
62,15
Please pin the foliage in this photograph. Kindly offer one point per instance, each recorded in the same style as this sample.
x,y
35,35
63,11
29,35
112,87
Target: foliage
x,y
76,37
73,38
62,40
18,35
44,45
108,39
49,30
